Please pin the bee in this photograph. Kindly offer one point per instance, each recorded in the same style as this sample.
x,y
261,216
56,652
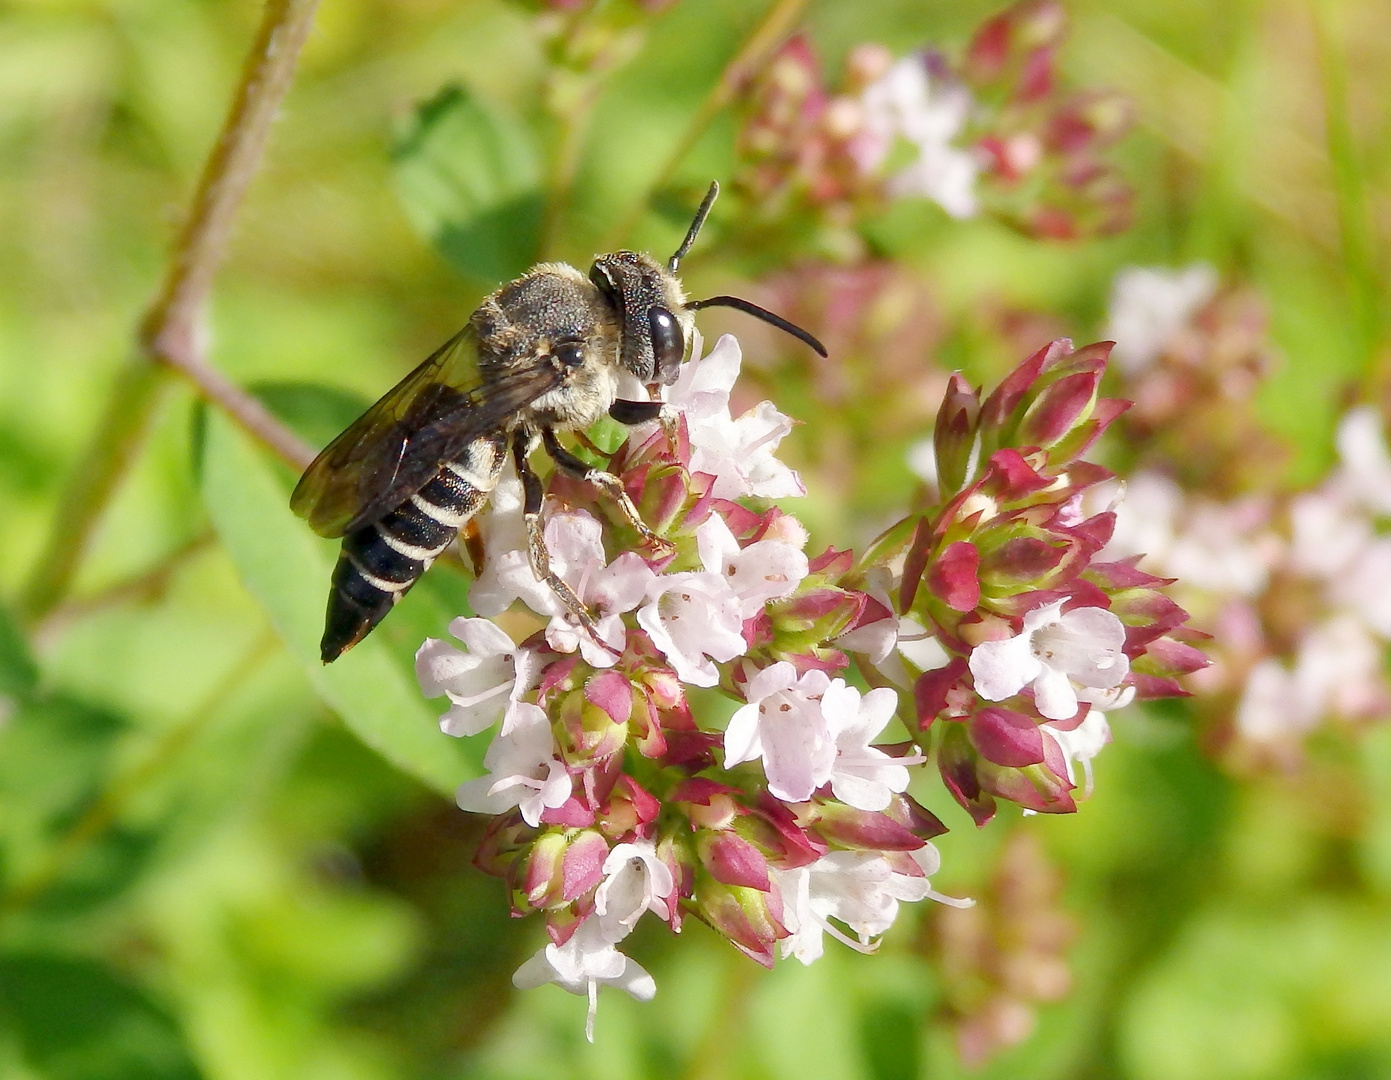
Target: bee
x,y
541,355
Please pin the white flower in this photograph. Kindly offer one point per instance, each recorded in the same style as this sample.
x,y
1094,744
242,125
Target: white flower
x,y
1271,705
1224,547
1053,652
1090,737
483,684
584,962
1338,670
783,724
738,453
930,112
507,572
862,776
763,571
1365,590
1147,506
611,590
857,888
635,880
1364,475
1150,306
523,771
691,617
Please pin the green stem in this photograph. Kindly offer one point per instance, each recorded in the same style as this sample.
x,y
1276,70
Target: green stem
x,y
1354,219
172,331
767,36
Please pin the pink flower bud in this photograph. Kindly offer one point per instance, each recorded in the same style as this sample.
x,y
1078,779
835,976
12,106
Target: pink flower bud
x,y
915,817
954,437
583,865
953,577
864,830
957,761
1027,562
750,918
732,860
940,690
1006,737
1059,408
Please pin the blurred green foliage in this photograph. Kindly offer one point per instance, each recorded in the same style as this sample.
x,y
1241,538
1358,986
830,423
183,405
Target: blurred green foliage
x,y
205,869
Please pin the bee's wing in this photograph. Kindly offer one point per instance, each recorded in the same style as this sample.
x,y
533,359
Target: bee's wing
x,y
394,449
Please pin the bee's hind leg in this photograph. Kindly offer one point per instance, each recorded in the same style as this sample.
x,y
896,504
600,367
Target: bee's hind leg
x,y
609,484
537,555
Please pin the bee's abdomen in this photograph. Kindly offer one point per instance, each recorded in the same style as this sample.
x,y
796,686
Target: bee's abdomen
x,y
380,562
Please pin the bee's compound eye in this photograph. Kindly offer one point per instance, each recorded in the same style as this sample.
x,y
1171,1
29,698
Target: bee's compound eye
x,y
668,345
569,353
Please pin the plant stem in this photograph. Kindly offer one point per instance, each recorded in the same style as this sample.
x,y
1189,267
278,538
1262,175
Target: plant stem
x,y
766,37
172,333
1354,219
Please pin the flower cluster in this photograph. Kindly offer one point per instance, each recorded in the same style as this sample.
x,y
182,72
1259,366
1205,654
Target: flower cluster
x,y
1294,585
1038,634
990,131
612,797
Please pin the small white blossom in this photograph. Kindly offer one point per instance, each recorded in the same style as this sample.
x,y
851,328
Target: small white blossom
x,y
763,571
507,572
1090,737
783,725
693,617
857,888
483,684
930,112
1364,474
523,771
635,881
581,965
1051,653
863,776
1150,306
738,453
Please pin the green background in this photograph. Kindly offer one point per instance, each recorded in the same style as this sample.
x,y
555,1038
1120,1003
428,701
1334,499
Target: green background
x,y
212,865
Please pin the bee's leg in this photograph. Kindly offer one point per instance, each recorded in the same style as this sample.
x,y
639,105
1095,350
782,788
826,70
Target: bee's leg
x,y
642,412
636,412
537,555
471,540
606,482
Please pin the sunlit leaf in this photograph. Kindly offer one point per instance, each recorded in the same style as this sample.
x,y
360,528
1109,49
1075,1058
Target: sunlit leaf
x,y
287,568
18,672
73,1020
469,175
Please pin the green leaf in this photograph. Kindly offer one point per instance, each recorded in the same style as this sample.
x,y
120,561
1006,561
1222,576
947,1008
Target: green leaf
x,y
470,177
287,568
75,1021
18,672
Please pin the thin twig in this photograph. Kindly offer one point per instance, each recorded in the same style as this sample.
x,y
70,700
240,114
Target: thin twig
x,y
106,809
767,36
172,332
145,586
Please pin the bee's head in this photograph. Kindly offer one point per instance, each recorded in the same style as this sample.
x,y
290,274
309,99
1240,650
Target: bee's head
x,y
652,314
655,316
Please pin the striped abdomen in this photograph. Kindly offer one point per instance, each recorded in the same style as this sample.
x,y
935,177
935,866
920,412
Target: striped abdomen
x,y
380,562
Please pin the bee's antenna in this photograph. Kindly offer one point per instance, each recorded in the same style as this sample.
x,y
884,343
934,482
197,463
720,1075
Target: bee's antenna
x,y
701,215
749,308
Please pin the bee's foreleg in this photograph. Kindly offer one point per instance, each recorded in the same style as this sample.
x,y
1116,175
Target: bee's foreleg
x,y
642,412
537,555
606,482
